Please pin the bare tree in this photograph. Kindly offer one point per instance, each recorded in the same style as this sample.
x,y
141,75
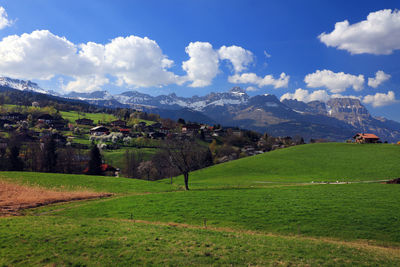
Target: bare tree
x,y
187,156
131,163
146,169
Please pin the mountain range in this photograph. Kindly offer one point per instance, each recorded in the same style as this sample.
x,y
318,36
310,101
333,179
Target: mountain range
x,y
337,120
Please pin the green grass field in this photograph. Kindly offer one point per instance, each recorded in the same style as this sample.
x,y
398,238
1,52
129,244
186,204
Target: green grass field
x,y
233,216
305,163
72,116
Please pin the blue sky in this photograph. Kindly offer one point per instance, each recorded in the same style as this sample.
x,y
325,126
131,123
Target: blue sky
x,y
196,47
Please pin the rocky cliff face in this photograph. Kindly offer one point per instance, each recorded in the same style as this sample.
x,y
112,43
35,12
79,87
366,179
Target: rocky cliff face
x,y
349,110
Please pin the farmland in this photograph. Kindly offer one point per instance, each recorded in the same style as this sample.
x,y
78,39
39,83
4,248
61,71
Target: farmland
x,y
234,219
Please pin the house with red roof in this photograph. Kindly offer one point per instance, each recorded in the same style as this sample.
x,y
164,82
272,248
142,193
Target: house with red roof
x,y
366,138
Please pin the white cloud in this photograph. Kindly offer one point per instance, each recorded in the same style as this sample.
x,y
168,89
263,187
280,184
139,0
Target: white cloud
x,y
380,99
266,54
4,21
88,83
380,77
41,55
305,96
335,82
251,89
203,65
379,34
252,78
238,56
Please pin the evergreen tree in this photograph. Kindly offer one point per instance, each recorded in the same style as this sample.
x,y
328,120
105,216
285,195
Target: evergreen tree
x,y
49,154
95,161
14,161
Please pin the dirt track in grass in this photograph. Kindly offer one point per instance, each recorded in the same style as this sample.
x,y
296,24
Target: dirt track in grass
x,y
15,197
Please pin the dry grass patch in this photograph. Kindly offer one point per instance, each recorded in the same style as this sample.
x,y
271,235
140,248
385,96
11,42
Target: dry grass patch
x,y
15,197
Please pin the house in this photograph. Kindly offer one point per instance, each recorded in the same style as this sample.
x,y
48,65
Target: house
x,y
35,104
45,118
165,130
125,132
157,135
99,130
15,116
365,138
156,125
118,123
84,121
190,128
107,170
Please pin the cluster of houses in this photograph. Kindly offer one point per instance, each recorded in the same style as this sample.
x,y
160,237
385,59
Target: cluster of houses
x,y
158,131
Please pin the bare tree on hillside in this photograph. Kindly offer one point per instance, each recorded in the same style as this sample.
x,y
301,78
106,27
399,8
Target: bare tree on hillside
x,y
187,156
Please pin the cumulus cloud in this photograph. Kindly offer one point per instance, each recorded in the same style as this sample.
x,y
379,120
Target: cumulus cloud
x,y
203,65
379,34
238,56
307,96
132,60
380,99
4,21
252,78
380,77
335,82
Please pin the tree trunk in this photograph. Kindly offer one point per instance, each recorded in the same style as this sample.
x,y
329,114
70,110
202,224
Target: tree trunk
x,y
186,176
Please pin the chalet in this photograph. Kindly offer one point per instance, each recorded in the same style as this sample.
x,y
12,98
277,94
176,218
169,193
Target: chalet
x,y
125,132
45,118
156,125
99,130
35,104
58,125
190,128
84,121
165,130
14,117
365,138
118,123
107,170
157,135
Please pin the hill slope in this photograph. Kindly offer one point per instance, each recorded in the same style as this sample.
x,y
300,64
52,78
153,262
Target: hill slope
x,y
305,163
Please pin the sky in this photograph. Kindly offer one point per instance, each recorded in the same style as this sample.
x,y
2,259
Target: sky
x,y
305,50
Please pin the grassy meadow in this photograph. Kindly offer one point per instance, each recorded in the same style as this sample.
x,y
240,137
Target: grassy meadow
x,y
259,210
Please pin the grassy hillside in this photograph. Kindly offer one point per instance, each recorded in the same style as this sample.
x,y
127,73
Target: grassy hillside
x,y
305,163
94,183
242,220
72,116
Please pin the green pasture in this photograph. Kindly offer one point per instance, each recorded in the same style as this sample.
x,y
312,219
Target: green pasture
x,y
305,163
59,241
259,210
72,116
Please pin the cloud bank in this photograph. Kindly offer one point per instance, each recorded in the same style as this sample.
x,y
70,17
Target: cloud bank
x,y
252,78
379,34
334,82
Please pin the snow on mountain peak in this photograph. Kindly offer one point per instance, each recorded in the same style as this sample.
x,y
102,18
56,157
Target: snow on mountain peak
x,y
21,85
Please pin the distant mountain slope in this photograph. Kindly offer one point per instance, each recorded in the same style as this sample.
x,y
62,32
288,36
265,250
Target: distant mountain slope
x,y
337,120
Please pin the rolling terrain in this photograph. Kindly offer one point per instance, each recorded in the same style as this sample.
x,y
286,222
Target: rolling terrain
x,y
260,210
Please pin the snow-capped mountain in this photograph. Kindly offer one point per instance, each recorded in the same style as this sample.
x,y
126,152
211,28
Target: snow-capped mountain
x,y
21,85
338,119
234,97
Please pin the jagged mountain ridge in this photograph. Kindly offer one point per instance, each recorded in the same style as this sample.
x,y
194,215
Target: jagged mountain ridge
x,y
338,119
